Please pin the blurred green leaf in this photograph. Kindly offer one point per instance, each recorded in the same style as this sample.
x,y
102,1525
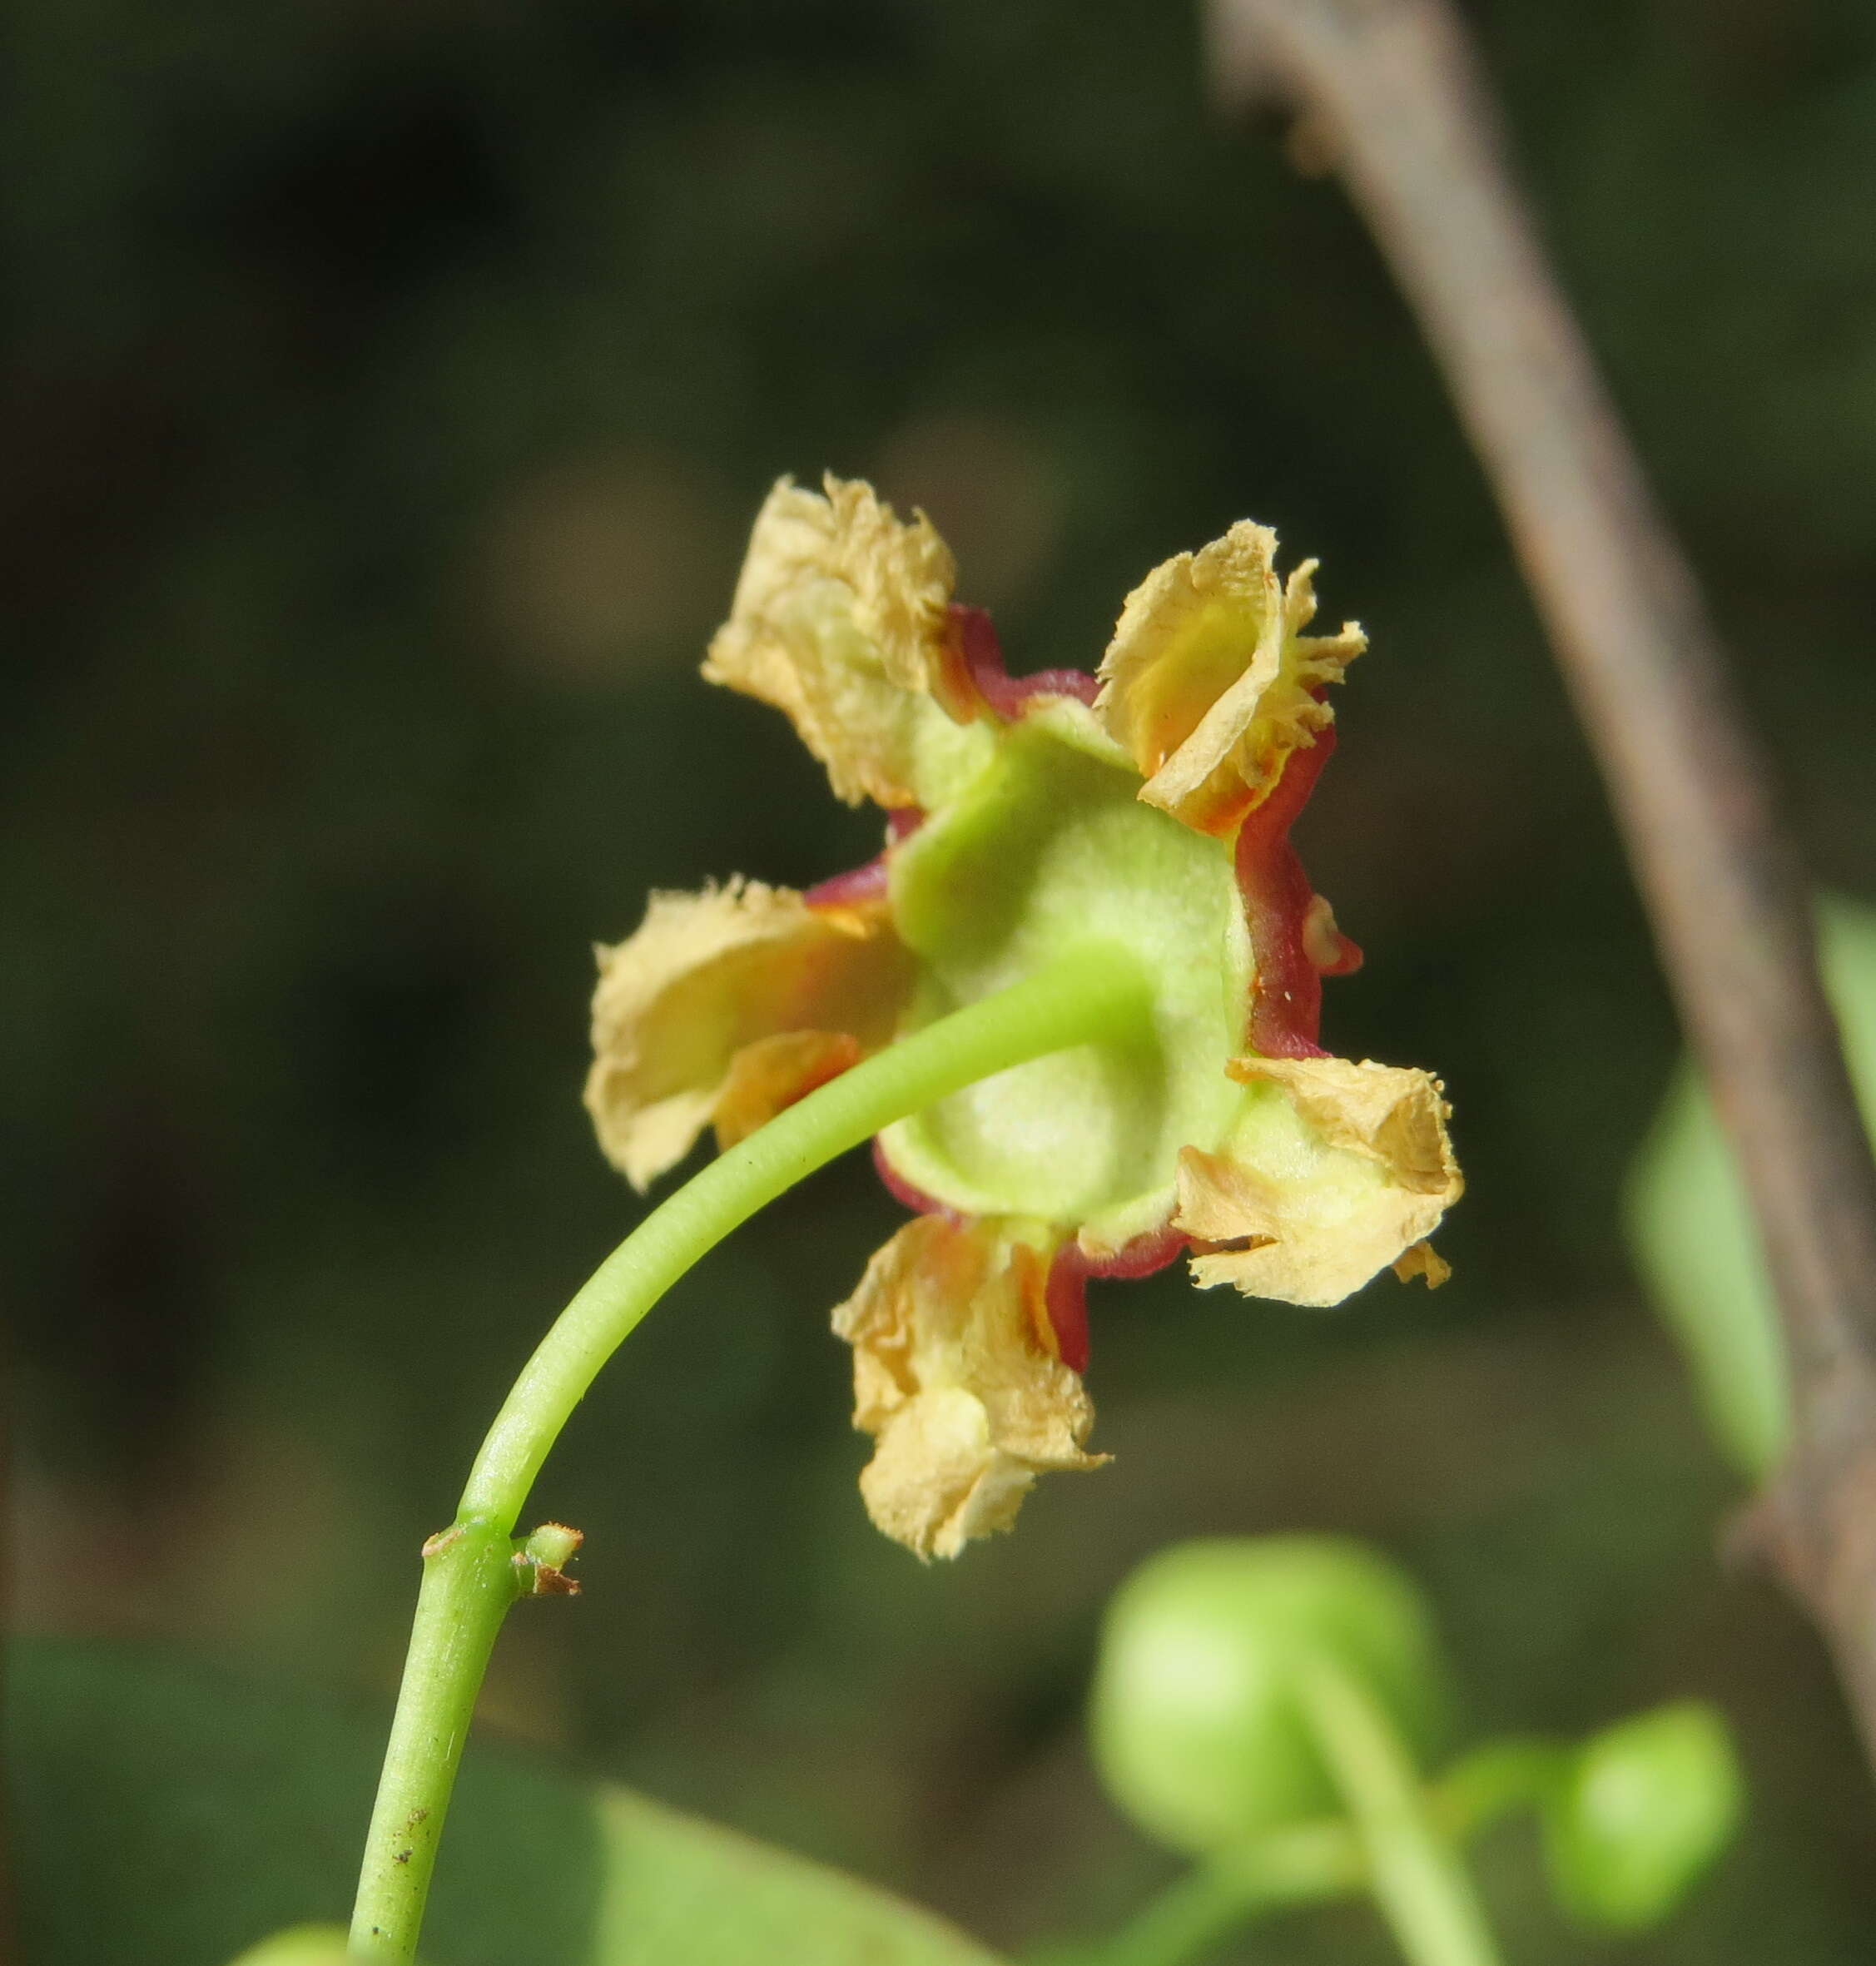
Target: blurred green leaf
x,y
163,1818
1693,1232
305,1945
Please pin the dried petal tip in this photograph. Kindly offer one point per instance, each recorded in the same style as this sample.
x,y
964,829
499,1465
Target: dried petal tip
x,y
1209,683
1341,1170
728,1005
955,1374
840,620
1424,1261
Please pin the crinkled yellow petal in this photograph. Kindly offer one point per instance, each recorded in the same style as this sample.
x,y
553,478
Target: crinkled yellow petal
x,y
707,977
955,1375
1208,681
1188,631
768,1076
1306,1204
1394,1114
840,619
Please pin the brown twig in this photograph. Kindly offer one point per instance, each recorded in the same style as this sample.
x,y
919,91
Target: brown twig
x,y
1393,90
9,1920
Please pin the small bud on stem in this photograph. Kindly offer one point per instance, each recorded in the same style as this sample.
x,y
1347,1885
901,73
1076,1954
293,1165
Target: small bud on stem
x,y
541,1561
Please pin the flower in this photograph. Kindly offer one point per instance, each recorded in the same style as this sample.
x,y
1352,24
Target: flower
x,y
1151,806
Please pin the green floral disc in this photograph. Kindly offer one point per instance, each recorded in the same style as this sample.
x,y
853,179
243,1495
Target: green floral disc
x,y
1046,848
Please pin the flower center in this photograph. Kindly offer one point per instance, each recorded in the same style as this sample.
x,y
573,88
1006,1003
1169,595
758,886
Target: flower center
x,y
1047,847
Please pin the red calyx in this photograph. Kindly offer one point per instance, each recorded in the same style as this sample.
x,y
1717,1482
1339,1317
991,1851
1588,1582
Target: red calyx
x,y
1007,696
859,885
902,1191
1066,1292
1287,1009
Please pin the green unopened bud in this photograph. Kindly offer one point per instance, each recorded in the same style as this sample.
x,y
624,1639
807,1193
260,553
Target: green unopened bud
x,y
1197,1731
553,1544
542,1559
1645,1808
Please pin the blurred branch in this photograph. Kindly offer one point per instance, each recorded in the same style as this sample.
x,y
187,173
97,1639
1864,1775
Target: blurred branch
x,y
9,1950
1392,91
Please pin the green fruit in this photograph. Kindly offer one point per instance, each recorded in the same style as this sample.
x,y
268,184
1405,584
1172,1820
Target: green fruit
x,y
1196,1728
1646,1806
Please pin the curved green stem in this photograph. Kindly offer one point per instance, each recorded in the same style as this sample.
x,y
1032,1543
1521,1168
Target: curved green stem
x,y
1417,1873
469,1581
1317,1862
469,1576
1311,1864
1521,1771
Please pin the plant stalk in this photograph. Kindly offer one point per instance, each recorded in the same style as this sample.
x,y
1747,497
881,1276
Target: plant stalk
x,y
1311,1864
470,1575
1418,1876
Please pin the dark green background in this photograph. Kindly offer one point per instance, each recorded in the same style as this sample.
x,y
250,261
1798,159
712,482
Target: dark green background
x,y
389,391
